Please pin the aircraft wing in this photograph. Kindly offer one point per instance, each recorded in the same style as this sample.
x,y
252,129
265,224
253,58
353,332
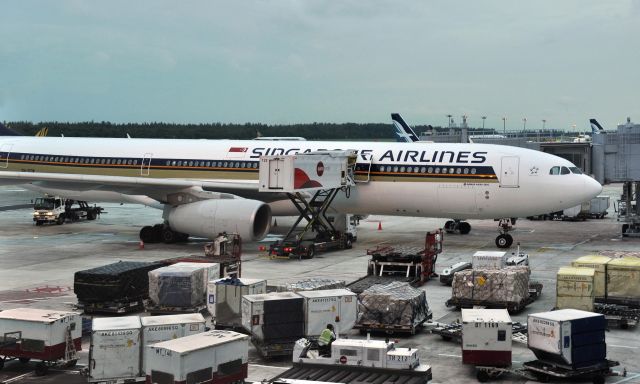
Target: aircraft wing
x,y
158,189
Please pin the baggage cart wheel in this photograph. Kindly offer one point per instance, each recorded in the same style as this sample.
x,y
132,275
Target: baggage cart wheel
x,y
446,338
482,376
24,360
543,378
598,379
41,368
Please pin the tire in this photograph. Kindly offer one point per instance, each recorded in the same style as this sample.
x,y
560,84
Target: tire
x,y
39,223
502,241
91,215
598,379
482,376
169,236
625,227
60,219
509,240
146,234
349,243
24,360
1,363
311,251
41,369
464,228
448,226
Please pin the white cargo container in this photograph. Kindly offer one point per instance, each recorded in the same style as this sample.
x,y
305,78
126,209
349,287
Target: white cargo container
x,y
210,357
568,338
316,170
330,306
599,206
156,329
115,349
489,260
486,337
224,298
43,332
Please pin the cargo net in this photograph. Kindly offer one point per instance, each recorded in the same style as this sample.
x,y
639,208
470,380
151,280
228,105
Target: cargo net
x,y
393,304
314,284
507,285
619,254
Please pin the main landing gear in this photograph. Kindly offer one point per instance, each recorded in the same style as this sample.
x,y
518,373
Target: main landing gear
x,y
161,233
504,239
457,225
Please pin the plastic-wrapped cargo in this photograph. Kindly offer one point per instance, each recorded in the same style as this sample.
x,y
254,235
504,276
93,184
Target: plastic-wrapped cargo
x,y
38,333
180,284
315,284
575,288
329,306
568,338
116,282
393,304
486,337
209,357
224,299
156,329
274,317
599,264
623,280
507,285
489,260
115,349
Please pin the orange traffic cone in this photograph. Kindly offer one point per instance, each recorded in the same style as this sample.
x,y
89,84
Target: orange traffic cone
x,y
379,225
141,245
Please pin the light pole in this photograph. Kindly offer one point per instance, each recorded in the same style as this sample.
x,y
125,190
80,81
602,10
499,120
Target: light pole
x,y
544,121
504,126
483,119
449,119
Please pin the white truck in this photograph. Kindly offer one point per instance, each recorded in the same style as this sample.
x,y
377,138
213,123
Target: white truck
x,y
55,209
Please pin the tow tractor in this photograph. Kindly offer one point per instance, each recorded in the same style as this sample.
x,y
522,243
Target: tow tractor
x,y
311,181
54,209
364,361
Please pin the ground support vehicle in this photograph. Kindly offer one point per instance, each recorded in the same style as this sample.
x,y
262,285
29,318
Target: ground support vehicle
x,y
392,329
270,350
54,209
620,316
543,372
414,265
535,290
629,209
453,331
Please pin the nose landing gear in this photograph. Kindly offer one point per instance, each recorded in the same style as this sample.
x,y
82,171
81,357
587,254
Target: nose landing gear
x,y
504,239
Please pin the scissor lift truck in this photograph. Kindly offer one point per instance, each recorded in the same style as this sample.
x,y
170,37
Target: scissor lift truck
x,y
311,181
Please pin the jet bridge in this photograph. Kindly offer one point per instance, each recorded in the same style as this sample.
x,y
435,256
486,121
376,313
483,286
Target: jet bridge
x,y
311,181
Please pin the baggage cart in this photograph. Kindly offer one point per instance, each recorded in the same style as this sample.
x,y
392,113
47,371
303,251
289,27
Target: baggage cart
x,y
535,290
543,372
619,316
114,356
453,331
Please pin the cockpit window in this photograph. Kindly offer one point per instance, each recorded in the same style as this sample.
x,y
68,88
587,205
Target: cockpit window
x,y
554,171
575,170
565,171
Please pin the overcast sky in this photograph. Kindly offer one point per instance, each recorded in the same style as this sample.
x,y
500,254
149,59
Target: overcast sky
x,y
331,61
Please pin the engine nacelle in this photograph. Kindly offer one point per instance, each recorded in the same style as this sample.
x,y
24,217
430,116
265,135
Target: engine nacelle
x,y
250,219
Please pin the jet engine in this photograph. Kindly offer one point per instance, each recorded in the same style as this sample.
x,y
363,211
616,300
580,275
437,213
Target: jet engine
x,y
207,218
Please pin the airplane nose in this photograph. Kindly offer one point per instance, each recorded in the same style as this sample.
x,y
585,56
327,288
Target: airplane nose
x,y
591,187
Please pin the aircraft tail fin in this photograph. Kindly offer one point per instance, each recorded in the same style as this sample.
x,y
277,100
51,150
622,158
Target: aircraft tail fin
x,y
403,132
4,131
596,127
43,132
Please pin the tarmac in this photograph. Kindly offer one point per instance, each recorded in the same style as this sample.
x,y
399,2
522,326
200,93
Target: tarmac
x,y
38,265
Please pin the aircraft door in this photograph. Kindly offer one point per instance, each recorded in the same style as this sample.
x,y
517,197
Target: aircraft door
x,y
146,164
5,151
509,176
363,173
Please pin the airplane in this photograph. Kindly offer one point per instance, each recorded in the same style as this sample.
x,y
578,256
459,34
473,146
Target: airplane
x,y
206,187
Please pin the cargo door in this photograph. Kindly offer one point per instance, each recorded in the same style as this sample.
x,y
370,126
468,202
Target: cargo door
x,y
363,169
457,200
509,175
117,354
146,164
5,151
348,313
276,168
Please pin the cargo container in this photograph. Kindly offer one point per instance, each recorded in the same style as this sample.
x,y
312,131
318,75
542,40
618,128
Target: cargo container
x,y
623,281
41,334
332,306
575,288
224,299
115,349
489,260
568,338
599,207
181,285
162,328
599,264
211,357
486,337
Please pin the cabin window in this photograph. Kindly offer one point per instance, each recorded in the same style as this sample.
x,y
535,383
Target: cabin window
x,y
191,163
237,165
21,157
473,171
554,171
208,163
565,171
458,171
430,170
575,170
395,168
451,170
423,169
225,164
402,169
437,170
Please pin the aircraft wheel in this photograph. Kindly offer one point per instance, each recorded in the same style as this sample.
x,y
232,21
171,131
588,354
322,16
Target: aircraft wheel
x,y
464,227
146,234
504,241
448,226
169,236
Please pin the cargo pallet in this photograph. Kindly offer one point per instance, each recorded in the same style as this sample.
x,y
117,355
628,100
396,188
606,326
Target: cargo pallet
x,y
275,349
453,331
112,307
620,316
543,372
392,329
162,310
535,290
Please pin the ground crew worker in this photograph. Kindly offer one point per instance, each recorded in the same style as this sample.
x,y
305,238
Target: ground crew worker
x,y
324,341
